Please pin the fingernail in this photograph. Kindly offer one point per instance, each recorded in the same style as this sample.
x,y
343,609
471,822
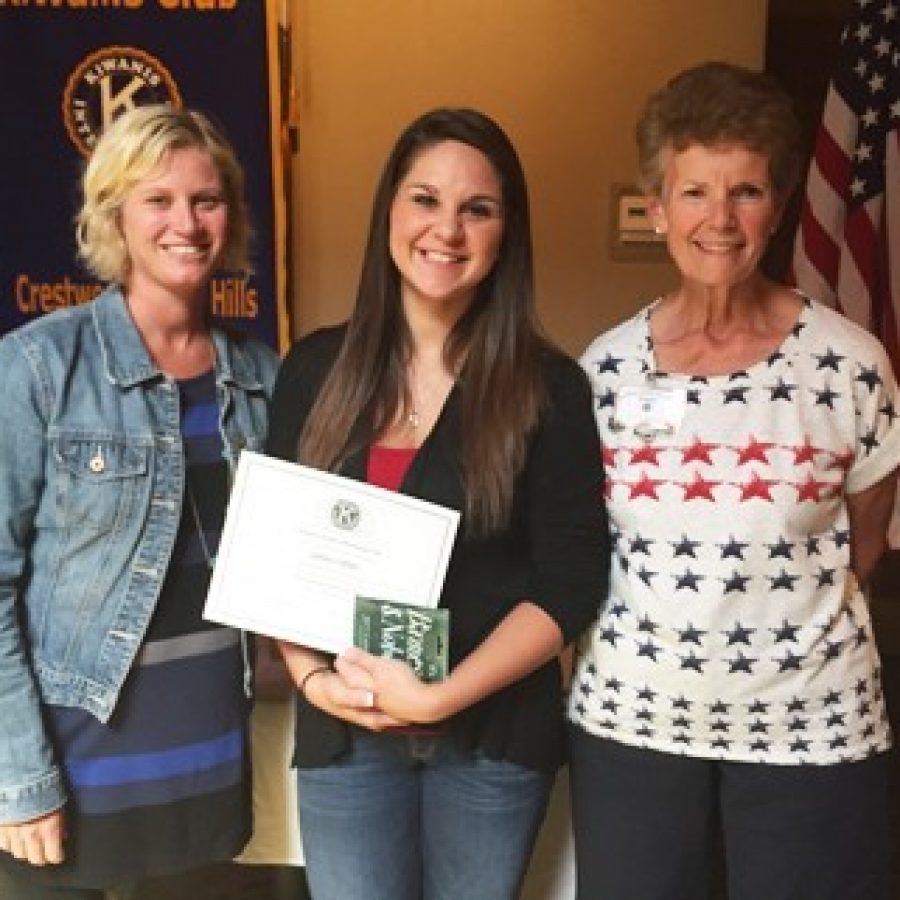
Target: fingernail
x,y
369,698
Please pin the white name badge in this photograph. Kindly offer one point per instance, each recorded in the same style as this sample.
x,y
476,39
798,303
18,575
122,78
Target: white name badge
x,y
649,411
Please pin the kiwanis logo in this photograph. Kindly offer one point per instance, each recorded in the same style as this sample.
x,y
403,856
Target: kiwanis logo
x,y
108,82
345,514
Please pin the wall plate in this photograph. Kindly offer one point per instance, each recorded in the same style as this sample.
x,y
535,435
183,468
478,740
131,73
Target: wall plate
x,y
632,238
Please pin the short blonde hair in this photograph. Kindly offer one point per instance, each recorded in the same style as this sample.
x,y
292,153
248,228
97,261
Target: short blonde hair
x,y
134,146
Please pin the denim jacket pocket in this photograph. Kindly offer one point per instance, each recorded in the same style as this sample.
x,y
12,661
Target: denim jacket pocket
x,y
98,478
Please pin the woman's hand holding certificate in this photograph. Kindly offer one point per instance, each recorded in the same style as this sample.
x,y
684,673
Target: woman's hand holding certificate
x,y
300,546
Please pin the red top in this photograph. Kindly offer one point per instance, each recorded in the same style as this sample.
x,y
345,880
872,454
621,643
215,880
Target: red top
x,y
387,466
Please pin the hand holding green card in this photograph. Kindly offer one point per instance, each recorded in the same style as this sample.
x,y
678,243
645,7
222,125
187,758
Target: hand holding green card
x,y
417,634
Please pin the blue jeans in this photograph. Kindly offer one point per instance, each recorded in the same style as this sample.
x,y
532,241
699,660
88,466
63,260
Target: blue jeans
x,y
408,817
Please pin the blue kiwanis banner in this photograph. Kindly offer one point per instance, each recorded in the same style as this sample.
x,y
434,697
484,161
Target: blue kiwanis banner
x,y
67,67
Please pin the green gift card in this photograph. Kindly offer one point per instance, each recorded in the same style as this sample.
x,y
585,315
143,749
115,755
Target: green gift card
x,y
417,634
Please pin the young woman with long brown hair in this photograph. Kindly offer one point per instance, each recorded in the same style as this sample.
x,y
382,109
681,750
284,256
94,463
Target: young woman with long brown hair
x,y
440,386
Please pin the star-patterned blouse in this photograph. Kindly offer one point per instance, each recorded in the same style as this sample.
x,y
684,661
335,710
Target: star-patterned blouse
x,y
735,628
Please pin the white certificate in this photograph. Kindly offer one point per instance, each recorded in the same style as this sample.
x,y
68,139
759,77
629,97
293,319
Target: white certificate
x,y
299,545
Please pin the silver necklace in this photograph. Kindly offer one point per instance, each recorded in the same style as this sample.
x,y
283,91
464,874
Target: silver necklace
x,y
413,419
198,525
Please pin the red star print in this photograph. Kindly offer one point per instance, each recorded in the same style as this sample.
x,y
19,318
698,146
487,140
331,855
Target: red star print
x,y
756,487
609,457
755,450
699,488
806,453
811,489
843,460
644,487
646,454
698,452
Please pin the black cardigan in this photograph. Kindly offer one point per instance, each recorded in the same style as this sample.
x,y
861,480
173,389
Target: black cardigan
x,y
554,553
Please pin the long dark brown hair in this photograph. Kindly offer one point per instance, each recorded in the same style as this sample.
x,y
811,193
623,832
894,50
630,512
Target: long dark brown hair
x,y
496,342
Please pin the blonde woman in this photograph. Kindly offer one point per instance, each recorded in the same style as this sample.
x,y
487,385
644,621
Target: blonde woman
x,y
123,752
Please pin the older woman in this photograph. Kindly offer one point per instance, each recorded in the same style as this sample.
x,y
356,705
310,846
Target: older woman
x,y
750,437
123,748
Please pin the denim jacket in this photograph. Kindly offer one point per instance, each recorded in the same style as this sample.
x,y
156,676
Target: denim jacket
x,y
91,480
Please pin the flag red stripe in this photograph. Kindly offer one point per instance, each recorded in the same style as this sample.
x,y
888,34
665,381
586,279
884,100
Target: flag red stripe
x,y
886,309
820,247
861,239
833,163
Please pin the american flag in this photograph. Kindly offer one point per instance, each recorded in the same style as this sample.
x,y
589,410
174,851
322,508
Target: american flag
x,y
847,250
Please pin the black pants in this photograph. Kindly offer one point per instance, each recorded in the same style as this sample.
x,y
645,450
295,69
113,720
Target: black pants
x,y
218,881
646,826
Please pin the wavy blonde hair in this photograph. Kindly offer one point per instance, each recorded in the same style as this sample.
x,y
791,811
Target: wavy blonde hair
x,y
133,147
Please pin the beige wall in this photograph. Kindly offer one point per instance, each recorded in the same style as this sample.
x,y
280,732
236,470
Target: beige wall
x,y
564,78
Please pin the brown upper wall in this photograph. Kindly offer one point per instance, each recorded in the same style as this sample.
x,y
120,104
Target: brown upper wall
x,y
564,77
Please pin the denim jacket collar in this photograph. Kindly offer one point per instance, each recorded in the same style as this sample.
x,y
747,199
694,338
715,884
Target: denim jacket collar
x,y
128,363
233,365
